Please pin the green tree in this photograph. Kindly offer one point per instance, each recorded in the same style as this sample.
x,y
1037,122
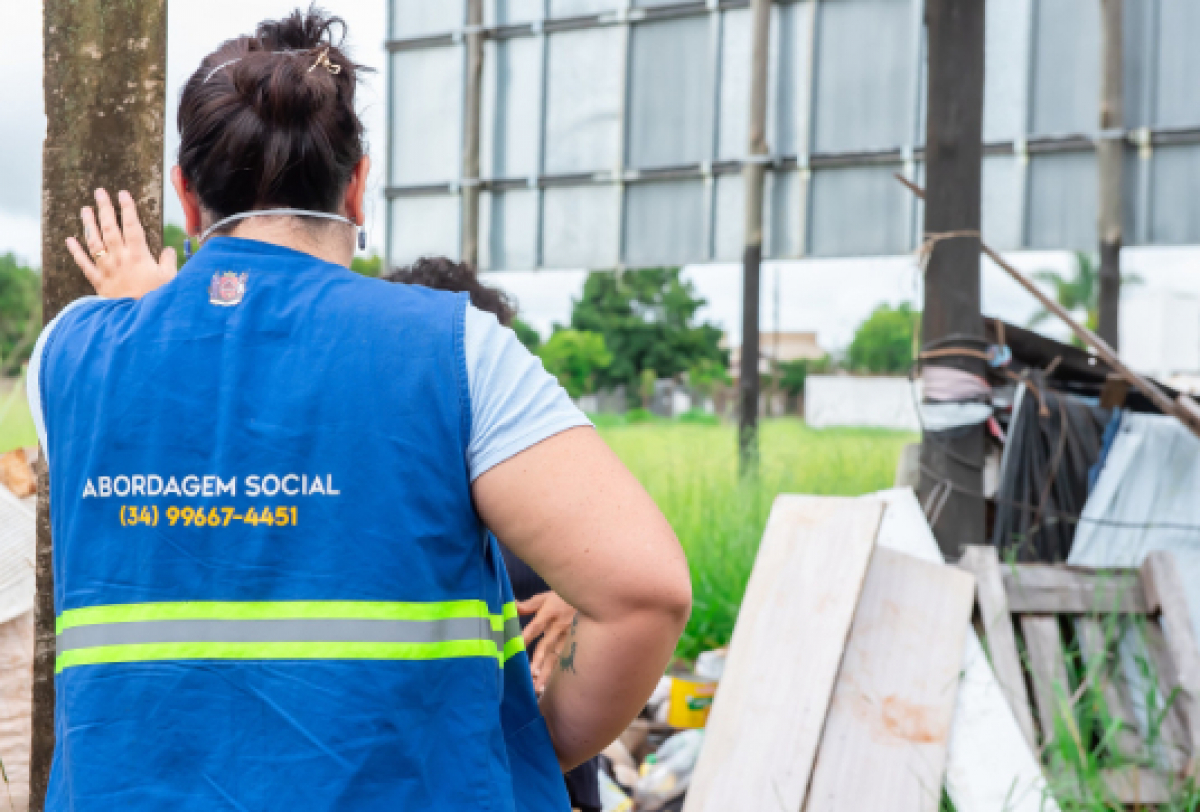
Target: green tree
x,y
173,237
20,312
648,320
1078,293
884,342
528,336
575,357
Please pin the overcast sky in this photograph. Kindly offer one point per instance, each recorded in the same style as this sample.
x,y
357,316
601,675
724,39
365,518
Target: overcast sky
x,y
828,296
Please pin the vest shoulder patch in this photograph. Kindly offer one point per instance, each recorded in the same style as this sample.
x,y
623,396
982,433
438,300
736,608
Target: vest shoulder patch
x,y
227,288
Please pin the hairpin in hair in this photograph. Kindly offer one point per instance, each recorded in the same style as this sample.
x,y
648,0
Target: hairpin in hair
x,y
213,72
323,59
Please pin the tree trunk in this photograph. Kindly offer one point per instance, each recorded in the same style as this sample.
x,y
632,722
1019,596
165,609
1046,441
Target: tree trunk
x,y
105,66
1110,157
952,461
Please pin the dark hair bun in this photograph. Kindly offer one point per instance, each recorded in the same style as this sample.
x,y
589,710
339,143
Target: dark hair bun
x,y
269,120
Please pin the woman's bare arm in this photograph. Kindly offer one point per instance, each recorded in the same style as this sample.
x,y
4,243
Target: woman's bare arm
x,y
569,508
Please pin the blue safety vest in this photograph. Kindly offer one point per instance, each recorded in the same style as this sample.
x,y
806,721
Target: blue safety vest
x,y
272,589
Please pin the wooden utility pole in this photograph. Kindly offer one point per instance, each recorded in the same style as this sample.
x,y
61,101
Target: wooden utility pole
x,y
755,172
105,67
952,461
471,118
1110,158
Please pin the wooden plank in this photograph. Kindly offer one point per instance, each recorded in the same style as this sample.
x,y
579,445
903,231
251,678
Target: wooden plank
x,y
1099,667
787,647
990,766
1046,590
1043,640
984,564
894,698
1165,593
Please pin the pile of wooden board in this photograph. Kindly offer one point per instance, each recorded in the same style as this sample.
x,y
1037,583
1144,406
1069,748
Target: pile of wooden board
x,y
855,680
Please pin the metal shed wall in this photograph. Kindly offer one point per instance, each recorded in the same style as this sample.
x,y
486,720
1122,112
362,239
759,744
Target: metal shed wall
x,y
614,130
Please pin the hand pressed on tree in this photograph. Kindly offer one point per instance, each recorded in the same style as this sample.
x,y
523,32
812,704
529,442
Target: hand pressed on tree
x,y
552,621
118,261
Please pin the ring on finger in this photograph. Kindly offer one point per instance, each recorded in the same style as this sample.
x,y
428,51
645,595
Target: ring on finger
x,y
100,254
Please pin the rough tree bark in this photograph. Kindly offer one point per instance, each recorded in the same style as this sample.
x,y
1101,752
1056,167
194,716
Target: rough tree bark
x,y
952,461
105,68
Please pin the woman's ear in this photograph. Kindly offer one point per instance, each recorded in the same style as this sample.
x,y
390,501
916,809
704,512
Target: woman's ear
x,y
189,200
356,192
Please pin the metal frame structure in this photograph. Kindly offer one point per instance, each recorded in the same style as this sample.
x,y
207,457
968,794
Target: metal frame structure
x,y
1142,142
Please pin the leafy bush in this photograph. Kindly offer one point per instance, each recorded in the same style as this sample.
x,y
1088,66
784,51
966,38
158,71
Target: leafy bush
x,y
575,357
792,375
884,342
528,336
20,312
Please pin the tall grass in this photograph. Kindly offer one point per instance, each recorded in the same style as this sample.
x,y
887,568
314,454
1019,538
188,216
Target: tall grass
x,y
16,424
690,469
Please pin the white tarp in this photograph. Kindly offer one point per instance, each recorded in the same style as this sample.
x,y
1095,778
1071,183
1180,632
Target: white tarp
x,y
875,402
16,696
1147,498
16,556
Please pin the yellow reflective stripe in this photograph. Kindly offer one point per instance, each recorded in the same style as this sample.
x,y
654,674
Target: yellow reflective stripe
x,y
274,610
510,610
153,652
512,648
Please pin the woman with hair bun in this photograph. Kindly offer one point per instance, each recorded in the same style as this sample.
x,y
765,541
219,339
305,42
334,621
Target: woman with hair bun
x,y
271,486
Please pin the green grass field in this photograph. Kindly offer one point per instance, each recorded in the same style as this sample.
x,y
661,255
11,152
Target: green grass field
x,y
691,472
16,426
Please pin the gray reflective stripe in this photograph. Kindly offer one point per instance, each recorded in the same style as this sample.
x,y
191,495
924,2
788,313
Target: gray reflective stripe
x,y
279,631
512,630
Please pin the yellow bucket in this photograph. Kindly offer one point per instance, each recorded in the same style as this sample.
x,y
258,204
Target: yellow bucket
x,y
691,700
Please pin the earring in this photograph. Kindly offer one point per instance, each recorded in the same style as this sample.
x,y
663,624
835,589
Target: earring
x,y
362,239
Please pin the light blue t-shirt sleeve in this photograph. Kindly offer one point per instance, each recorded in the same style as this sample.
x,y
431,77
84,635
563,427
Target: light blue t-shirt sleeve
x,y
515,402
33,373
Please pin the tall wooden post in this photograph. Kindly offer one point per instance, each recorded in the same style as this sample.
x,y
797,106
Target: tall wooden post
x,y
105,67
755,172
952,461
1110,158
471,124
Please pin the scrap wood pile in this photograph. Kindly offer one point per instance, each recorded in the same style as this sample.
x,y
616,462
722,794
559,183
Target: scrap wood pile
x,y
18,487
856,679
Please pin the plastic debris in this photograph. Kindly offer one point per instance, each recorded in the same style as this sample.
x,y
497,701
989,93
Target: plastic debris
x,y
671,773
612,798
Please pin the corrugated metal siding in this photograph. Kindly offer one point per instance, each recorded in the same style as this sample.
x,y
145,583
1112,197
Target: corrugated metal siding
x,y
864,76
670,101
631,92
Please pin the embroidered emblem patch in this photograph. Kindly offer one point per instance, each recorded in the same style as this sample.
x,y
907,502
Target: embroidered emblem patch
x,y
227,289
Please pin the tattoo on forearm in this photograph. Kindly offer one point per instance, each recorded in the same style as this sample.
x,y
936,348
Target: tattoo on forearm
x,y
566,657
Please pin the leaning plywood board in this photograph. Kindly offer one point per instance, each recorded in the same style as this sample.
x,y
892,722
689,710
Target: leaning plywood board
x,y
990,767
894,698
787,646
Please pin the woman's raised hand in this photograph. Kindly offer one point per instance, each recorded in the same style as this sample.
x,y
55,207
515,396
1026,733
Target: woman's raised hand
x,y
117,261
